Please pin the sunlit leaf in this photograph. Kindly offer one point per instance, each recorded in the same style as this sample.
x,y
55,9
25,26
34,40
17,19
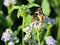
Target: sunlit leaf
x,y
46,7
32,5
27,20
30,1
18,14
17,7
21,11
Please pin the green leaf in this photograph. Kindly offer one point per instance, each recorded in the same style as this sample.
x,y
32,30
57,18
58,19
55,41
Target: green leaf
x,y
58,25
17,7
30,1
21,11
57,10
32,5
17,31
9,21
54,3
46,7
18,14
27,20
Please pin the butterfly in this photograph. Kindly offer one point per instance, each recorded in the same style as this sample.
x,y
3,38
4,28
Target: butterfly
x,y
38,15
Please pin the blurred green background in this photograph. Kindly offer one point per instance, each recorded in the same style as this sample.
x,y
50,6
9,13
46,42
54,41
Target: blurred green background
x,y
51,8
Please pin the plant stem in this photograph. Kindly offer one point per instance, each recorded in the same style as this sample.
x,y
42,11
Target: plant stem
x,y
47,33
5,43
29,43
9,10
58,25
22,32
38,37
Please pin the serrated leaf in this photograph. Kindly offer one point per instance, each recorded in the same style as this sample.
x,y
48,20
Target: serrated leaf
x,y
30,1
46,7
32,5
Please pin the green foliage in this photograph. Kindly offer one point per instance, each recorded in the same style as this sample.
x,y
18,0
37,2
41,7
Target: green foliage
x,y
1,1
23,8
27,20
9,21
58,25
30,5
49,7
55,5
30,1
46,7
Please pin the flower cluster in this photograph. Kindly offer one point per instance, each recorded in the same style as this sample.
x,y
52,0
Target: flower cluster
x,y
11,43
27,38
37,25
28,31
50,40
49,20
8,36
8,2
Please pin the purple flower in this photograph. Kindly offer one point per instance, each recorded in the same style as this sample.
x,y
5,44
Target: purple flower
x,y
8,2
37,24
8,35
50,40
53,21
27,37
11,43
27,29
49,20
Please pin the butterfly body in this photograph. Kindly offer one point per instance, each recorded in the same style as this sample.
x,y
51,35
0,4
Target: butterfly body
x,y
38,16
